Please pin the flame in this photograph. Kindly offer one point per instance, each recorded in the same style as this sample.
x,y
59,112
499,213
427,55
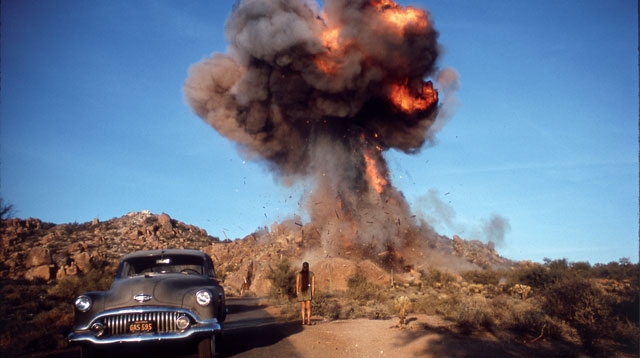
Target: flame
x,y
400,18
376,180
326,64
402,97
329,62
329,38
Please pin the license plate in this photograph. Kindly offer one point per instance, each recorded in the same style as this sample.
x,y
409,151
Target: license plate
x,y
142,326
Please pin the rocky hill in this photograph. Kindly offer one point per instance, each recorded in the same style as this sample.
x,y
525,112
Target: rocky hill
x,y
32,249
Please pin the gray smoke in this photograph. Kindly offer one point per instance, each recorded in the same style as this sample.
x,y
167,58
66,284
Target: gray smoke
x,y
308,91
436,211
495,229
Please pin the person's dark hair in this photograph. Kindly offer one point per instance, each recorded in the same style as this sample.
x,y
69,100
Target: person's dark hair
x,y
304,277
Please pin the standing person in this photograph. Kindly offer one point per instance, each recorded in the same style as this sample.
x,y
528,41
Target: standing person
x,y
305,288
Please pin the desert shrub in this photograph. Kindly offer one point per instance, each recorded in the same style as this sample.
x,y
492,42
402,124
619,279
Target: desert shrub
x,y
434,303
352,310
6,210
436,278
426,304
520,316
622,270
377,310
582,305
30,320
538,277
98,278
627,333
283,280
473,313
370,310
325,306
530,320
582,269
291,310
67,288
402,307
359,288
482,277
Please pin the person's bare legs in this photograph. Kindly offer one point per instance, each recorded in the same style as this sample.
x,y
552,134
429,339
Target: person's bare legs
x,y
308,309
302,307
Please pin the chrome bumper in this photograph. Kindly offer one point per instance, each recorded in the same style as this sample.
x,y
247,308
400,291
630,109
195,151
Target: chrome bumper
x,y
201,328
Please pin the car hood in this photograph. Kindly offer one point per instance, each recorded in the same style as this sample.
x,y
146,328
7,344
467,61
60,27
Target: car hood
x,y
160,289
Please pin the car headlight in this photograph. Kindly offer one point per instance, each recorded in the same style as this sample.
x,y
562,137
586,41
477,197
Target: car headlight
x,y
83,303
182,322
203,297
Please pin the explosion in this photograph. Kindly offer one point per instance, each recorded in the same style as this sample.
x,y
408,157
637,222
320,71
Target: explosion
x,y
322,94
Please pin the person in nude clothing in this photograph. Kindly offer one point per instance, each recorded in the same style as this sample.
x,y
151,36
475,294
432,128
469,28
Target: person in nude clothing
x,y
305,289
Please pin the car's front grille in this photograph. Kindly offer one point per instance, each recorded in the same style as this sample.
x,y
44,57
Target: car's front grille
x,y
119,324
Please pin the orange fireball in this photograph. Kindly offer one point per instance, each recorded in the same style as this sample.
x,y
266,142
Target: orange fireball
x,y
399,17
403,99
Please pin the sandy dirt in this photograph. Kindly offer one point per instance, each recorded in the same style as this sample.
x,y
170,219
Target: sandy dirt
x,y
423,336
256,330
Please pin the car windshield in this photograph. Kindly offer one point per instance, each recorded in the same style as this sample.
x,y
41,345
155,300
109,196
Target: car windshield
x,y
163,264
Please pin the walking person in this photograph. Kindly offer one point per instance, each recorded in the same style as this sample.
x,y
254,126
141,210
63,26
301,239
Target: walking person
x,y
305,289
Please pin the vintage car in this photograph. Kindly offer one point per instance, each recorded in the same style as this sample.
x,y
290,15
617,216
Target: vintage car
x,y
158,296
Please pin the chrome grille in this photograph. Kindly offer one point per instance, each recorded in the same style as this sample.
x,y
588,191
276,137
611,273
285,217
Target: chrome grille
x,y
118,324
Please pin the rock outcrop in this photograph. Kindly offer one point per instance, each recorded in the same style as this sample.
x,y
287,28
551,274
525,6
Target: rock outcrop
x,y
33,249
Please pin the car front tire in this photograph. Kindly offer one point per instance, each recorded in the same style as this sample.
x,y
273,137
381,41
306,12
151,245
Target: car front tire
x,y
207,347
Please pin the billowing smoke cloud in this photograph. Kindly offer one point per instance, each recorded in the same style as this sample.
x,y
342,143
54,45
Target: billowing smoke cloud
x,y
495,229
436,211
322,93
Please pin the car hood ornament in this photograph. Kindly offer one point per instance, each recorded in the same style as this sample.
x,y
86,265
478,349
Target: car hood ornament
x,y
142,297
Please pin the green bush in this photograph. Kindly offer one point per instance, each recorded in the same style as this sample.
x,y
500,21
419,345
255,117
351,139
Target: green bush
x,y
436,278
325,306
581,304
359,288
483,277
473,313
98,278
283,280
30,320
291,310
622,271
537,277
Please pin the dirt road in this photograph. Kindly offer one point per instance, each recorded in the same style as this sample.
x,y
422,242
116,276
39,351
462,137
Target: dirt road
x,y
250,331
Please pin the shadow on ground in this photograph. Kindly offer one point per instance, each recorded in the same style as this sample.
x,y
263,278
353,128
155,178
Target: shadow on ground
x,y
451,342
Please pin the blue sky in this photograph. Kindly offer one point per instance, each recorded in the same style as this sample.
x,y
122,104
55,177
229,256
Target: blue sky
x,y
94,123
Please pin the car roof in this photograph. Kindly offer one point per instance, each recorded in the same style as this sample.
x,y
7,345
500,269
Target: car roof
x,y
165,252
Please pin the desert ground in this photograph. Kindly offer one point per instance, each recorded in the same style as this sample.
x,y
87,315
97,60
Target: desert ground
x,y
255,329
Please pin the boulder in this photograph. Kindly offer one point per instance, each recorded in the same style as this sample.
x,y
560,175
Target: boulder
x,y
83,261
165,221
43,272
38,256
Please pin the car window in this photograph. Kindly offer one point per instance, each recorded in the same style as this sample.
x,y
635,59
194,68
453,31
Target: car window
x,y
162,265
